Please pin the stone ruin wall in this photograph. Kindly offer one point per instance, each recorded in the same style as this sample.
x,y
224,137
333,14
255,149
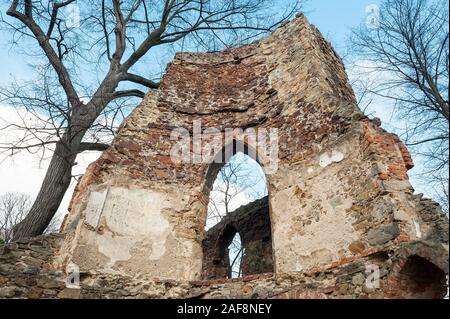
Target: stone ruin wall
x,y
292,81
339,202
27,271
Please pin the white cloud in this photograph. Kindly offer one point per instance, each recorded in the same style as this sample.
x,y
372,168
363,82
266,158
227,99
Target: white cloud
x,y
239,198
24,172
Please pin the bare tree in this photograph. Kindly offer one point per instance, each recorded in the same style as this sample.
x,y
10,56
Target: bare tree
x,y
13,209
407,52
108,39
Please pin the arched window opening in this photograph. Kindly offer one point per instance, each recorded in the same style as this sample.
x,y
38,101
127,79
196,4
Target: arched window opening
x,y
421,279
240,181
238,239
235,253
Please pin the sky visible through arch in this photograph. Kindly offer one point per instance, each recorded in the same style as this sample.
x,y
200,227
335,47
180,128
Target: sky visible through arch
x,y
24,173
242,181
248,186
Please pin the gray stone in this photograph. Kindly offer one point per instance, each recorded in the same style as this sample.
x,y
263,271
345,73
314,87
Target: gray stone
x,y
358,279
376,121
383,234
32,269
7,292
34,293
4,268
4,250
49,283
49,292
396,185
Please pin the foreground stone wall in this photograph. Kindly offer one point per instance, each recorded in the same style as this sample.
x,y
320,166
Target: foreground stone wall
x,y
252,222
413,270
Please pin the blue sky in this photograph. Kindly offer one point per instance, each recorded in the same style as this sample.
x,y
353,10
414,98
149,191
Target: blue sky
x,y
332,17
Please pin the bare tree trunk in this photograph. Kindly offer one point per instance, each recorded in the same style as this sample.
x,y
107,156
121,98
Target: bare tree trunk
x,y
54,186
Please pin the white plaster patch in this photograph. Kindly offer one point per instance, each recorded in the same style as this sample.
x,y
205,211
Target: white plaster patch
x,y
337,156
193,266
296,244
298,266
326,159
136,213
130,216
116,248
158,248
417,229
95,207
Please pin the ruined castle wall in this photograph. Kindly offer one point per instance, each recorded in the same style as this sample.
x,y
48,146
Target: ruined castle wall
x,y
352,196
409,270
341,190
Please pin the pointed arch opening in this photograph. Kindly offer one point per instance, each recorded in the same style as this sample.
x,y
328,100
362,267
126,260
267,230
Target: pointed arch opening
x,y
235,252
238,235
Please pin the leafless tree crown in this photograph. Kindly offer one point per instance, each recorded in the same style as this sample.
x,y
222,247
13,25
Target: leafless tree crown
x,y
13,208
407,61
89,58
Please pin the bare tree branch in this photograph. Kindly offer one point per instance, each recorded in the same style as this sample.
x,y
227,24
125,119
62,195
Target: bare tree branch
x,y
408,56
13,209
140,80
85,146
108,40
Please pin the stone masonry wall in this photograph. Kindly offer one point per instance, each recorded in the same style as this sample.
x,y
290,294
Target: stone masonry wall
x,y
136,198
411,270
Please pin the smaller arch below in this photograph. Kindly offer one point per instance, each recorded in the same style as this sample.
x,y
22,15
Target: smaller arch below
x,y
235,252
215,251
252,222
420,279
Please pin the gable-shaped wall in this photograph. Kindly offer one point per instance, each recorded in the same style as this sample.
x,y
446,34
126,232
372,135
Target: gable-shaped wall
x,y
340,189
